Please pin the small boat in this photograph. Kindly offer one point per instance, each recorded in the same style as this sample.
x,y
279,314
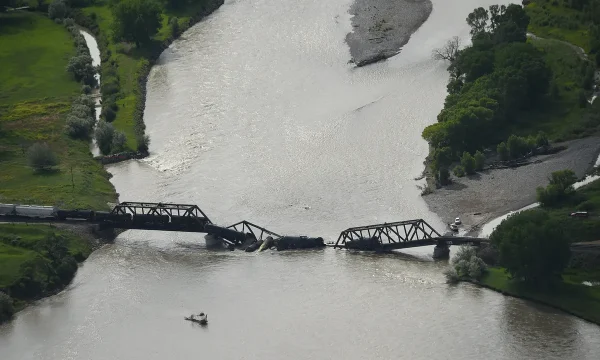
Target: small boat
x,y
201,318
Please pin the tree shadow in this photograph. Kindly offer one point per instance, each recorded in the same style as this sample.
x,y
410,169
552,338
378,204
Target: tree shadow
x,y
15,22
455,185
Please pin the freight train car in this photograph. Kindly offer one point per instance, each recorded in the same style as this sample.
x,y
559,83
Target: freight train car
x,y
38,212
75,214
7,209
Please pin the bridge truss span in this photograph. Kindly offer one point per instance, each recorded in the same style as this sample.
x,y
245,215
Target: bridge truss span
x,y
393,234
259,233
161,209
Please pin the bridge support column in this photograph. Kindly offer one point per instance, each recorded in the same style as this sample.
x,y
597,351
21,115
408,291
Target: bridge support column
x,y
441,251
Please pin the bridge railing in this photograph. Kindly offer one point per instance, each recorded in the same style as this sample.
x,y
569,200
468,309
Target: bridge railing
x,y
389,233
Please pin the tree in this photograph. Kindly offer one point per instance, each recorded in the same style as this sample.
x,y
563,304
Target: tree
x,y
532,247
104,136
479,160
558,190
449,51
143,143
79,127
174,25
82,69
41,157
57,9
502,151
477,20
443,176
118,142
136,20
468,163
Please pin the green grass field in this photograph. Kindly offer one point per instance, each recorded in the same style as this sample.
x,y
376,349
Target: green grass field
x,y
36,94
571,296
550,20
34,52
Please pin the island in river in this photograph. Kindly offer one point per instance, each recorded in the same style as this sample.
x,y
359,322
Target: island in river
x,y
381,27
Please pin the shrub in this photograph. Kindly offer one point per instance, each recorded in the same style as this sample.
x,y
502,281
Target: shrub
x,y
57,10
68,22
502,151
81,68
479,160
459,171
174,26
104,136
118,142
6,307
143,143
466,265
85,100
82,111
41,157
79,128
541,139
468,163
86,89
109,114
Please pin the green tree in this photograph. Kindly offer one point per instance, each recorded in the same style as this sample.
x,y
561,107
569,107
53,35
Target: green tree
x,y
532,247
41,157
57,9
104,136
468,163
443,176
136,20
477,20
479,160
558,190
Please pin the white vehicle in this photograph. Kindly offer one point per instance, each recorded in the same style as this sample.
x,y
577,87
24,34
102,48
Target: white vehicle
x,y
35,211
457,221
453,227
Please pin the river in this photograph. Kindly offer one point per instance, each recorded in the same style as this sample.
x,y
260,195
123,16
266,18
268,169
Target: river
x,y
255,114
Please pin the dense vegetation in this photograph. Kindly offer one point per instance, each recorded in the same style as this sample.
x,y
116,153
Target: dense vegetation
x,y
533,248
36,260
504,89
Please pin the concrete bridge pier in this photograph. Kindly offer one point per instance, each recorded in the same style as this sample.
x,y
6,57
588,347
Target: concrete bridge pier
x,y
441,251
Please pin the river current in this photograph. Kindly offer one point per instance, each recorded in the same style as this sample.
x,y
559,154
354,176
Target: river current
x,y
255,114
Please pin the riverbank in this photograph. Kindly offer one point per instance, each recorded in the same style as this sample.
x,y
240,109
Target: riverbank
x,y
482,197
41,260
380,28
570,295
561,113
125,68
